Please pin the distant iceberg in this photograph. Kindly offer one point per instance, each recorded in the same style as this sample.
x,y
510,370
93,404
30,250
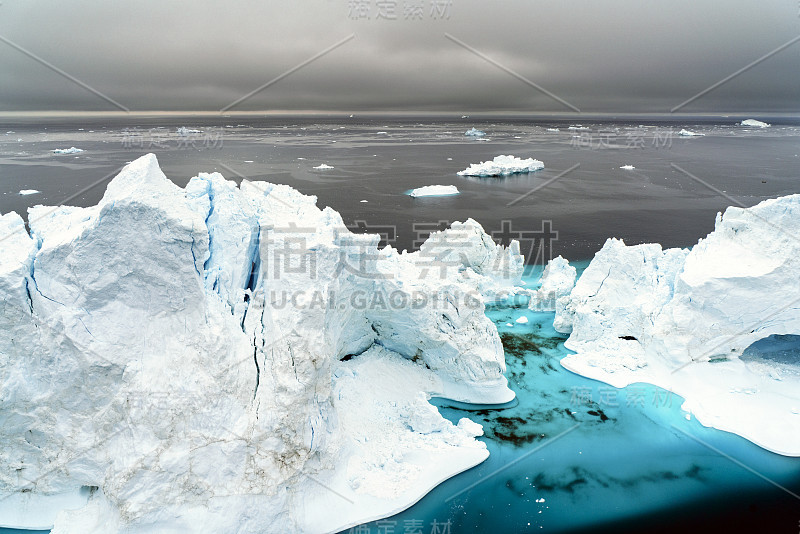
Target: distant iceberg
x,y
183,130
689,133
754,123
474,132
684,319
71,150
26,192
502,166
628,167
434,191
323,167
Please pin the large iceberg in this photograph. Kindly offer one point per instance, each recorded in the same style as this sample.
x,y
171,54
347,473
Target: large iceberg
x,y
682,320
224,358
502,166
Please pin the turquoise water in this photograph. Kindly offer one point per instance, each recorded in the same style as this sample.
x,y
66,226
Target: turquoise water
x,y
627,466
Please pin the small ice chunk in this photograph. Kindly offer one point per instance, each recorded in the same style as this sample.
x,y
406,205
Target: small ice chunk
x,y
323,167
26,192
689,133
183,130
474,132
578,127
628,167
522,320
434,191
471,427
553,130
365,201
502,166
71,150
754,123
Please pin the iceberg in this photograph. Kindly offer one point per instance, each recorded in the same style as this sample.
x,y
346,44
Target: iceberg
x,y
223,358
184,131
323,167
502,166
754,123
434,191
684,319
71,150
689,133
26,192
628,167
474,132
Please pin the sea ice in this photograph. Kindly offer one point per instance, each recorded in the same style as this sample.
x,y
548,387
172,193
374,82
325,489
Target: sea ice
x,y
71,150
323,166
474,132
689,133
26,192
628,167
502,166
434,191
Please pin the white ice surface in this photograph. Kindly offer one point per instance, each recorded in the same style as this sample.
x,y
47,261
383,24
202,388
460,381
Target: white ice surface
x,y
474,132
689,133
754,123
434,191
71,150
26,192
502,166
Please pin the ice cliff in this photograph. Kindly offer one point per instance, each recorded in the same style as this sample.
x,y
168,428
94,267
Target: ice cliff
x,y
226,358
682,319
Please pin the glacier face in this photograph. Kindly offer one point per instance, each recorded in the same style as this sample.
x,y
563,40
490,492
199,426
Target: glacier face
x,y
192,359
681,319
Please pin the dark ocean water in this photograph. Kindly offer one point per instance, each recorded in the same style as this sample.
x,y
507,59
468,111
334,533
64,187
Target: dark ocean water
x,y
627,470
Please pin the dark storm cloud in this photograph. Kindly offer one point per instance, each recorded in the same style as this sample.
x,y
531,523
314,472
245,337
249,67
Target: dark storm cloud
x,y
598,55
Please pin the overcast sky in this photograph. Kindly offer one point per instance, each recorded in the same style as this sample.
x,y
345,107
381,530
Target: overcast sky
x,y
596,55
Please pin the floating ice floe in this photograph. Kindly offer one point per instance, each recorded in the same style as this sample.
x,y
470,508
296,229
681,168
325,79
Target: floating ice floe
x,y
685,320
434,191
628,167
322,166
502,166
26,192
553,130
71,150
474,132
274,386
754,123
578,127
522,320
689,133
183,130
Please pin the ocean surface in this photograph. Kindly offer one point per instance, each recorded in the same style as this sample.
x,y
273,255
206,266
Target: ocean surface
x,y
628,465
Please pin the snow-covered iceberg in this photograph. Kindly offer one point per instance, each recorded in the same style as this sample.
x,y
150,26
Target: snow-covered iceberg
x,y
232,359
70,150
26,192
753,123
323,167
434,191
474,132
502,166
682,319
688,133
